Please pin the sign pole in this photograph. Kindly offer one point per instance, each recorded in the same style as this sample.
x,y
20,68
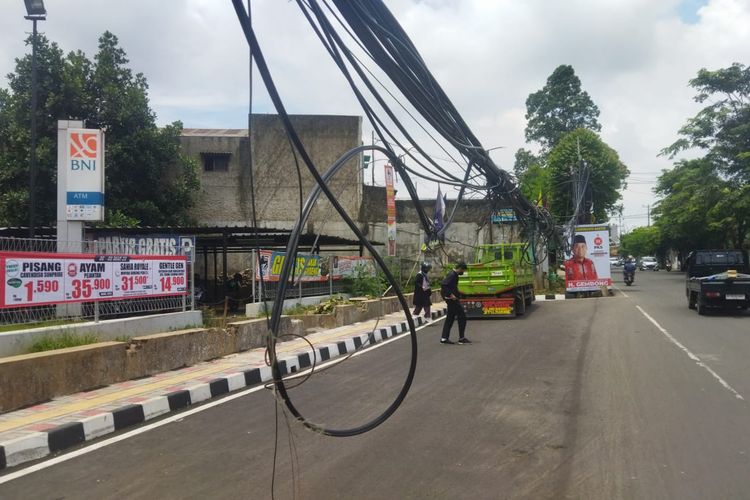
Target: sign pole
x,y
69,233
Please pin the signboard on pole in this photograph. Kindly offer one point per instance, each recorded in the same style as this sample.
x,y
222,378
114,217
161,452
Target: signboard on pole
x,y
84,174
35,278
271,262
390,202
587,269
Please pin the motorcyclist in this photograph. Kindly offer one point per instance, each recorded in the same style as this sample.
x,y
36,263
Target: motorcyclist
x,y
629,267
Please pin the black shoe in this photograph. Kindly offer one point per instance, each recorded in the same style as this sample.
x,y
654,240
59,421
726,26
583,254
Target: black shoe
x,y
446,341
464,340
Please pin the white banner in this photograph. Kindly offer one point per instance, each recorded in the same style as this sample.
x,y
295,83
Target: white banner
x,y
84,167
587,269
31,279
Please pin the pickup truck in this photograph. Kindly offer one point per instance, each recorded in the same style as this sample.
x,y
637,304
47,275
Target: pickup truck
x,y
717,279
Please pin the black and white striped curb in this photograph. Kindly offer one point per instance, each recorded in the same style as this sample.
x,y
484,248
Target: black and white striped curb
x,y
35,445
556,296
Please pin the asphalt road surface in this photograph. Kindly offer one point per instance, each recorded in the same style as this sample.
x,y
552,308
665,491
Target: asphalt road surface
x,y
631,396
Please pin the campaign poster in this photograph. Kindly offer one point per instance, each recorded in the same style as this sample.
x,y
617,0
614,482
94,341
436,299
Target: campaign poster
x,y
587,268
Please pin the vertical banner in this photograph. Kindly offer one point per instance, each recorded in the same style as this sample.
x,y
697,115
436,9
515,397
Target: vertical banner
x,y
84,167
390,202
587,269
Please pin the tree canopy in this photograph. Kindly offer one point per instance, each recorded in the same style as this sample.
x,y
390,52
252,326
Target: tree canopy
x,y
148,180
606,174
641,241
706,201
558,108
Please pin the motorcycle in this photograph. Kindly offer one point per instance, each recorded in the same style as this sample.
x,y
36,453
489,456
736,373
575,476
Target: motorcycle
x,y
628,273
668,266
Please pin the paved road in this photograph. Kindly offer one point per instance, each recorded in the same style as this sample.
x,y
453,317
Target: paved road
x,y
579,399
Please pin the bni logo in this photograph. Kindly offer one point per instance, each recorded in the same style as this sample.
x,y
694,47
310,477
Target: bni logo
x,y
83,151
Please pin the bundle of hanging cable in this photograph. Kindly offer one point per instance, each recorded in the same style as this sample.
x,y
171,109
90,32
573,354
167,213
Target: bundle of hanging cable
x,y
377,32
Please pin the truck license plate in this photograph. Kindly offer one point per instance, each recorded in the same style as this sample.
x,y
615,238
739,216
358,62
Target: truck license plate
x,y
734,296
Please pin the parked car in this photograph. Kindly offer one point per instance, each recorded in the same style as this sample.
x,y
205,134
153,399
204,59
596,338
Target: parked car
x,y
615,261
649,264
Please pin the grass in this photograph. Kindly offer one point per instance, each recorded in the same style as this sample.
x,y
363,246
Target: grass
x,y
40,324
62,341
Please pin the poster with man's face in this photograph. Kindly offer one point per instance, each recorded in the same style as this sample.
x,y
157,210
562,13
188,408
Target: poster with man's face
x,y
587,268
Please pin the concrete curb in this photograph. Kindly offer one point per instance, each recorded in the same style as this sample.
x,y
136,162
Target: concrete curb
x,y
550,297
35,445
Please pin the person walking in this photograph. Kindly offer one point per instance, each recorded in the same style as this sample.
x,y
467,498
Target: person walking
x,y
449,292
422,291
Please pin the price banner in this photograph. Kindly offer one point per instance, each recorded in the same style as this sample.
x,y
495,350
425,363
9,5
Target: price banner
x,y
32,279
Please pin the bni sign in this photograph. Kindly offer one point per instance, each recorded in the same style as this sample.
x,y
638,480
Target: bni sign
x,y
84,174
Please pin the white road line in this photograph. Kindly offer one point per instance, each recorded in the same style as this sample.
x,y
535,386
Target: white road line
x,y
691,355
621,291
141,430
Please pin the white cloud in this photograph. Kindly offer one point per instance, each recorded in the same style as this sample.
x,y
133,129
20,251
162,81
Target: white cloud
x,y
634,58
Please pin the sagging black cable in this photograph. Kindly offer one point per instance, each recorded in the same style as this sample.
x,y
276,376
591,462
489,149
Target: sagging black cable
x,y
333,44
291,249
286,268
354,12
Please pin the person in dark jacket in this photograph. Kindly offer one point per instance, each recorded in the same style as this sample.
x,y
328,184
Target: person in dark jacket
x,y
422,291
449,292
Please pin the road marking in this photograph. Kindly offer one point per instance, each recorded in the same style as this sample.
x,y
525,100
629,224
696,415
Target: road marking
x,y
691,355
141,430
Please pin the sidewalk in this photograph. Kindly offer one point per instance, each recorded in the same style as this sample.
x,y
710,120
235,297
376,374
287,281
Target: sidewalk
x,y
40,430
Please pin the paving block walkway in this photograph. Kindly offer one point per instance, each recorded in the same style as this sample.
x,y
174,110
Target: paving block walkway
x,y
40,430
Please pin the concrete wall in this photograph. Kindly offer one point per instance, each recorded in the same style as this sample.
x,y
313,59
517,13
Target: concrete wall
x,y
470,227
224,197
33,378
19,342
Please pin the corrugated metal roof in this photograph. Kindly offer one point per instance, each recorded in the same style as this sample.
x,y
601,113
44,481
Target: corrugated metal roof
x,y
214,132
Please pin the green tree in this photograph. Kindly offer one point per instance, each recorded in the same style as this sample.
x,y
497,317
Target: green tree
x,y
699,209
558,108
641,241
147,178
707,201
602,177
721,129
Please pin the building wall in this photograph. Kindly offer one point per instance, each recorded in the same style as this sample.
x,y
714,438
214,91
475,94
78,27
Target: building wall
x,y
224,198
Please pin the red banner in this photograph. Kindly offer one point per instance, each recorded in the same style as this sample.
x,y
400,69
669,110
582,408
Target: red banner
x,y
34,279
390,203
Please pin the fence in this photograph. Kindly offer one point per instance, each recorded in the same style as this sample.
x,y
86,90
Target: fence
x,y
94,309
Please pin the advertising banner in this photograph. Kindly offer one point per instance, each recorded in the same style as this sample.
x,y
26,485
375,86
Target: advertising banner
x,y
84,167
390,202
271,262
503,215
587,269
146,244
347,266
33,279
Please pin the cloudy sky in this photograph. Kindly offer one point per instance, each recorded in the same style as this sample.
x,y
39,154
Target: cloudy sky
x,y
634,58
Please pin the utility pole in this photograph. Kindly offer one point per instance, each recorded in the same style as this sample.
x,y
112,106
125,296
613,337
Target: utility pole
x,y
36,12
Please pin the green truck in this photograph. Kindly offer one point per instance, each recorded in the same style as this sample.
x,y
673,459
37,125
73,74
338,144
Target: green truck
x,y
499,283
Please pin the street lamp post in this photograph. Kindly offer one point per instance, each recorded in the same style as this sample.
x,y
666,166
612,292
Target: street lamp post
x,y
35,12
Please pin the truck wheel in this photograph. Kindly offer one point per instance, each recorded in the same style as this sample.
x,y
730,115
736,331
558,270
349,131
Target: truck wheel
x,y
691,300
700,307
520,304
